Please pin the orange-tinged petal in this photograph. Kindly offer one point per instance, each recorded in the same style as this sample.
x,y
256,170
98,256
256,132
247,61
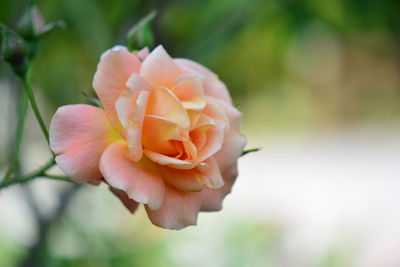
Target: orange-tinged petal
x,y
140,180
159,69
80,134
189,89
113,71
214,140
188,180
211,84
164,103
179,210
157,133
169,161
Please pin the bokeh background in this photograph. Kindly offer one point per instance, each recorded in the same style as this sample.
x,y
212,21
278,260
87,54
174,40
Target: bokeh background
x,y
319,87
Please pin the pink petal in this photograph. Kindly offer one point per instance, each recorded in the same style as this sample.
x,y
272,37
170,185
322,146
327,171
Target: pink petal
x,y
113,71
159,69
163,103
187,180
130,204
189,89
179,210
169,161
212,85
212,176
143,53
80,134
234,115
130,108
230,151
211,199
140,180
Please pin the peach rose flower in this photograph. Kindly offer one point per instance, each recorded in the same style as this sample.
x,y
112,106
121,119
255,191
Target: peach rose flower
x,y
168,136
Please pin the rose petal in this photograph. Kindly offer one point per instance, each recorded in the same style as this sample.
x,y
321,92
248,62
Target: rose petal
x,y
130,108
211,84
130,204
169,161
230,151
80,134
187,180
214,140
113,71
212,176
211,199
157,132
189,89
179,210
159,69
164,103
140,180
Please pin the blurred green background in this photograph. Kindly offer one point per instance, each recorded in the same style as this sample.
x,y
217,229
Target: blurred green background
x,y
293,68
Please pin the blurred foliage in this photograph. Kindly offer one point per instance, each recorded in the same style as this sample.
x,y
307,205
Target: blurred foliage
x,y
289,64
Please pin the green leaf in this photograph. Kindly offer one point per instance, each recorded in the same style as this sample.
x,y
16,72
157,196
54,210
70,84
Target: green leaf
x,y
140,35
250,150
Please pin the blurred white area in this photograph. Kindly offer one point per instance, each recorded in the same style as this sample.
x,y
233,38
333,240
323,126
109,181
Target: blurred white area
x,y
322,192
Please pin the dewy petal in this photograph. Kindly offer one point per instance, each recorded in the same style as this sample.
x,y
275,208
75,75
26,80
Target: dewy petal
x,y
113,71
80,134
189,89
179,210
130,204
230,151
211,199
164,103
211,84
131,107
159,69
157,132
140,180
169,161
188,180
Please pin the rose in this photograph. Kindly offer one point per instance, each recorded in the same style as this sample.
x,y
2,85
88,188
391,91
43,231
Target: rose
x,y
168,136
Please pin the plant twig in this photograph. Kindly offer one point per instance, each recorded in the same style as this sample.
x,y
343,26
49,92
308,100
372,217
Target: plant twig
x,y
32,100
39,173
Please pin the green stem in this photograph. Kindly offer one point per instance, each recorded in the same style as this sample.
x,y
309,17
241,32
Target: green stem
x,y
41,172
23,106
35,108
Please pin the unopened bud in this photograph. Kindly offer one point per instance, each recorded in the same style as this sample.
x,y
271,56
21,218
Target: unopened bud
x,y
14,50
32,24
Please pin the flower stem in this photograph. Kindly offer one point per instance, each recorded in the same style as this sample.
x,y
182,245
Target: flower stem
x,y
22,109
41,172
32,100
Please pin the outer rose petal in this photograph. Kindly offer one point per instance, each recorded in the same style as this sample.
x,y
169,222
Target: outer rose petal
x,y
212,85
211,199
187,180
140,180
180,209
230,151
159,69
130,204
113,71
80,134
